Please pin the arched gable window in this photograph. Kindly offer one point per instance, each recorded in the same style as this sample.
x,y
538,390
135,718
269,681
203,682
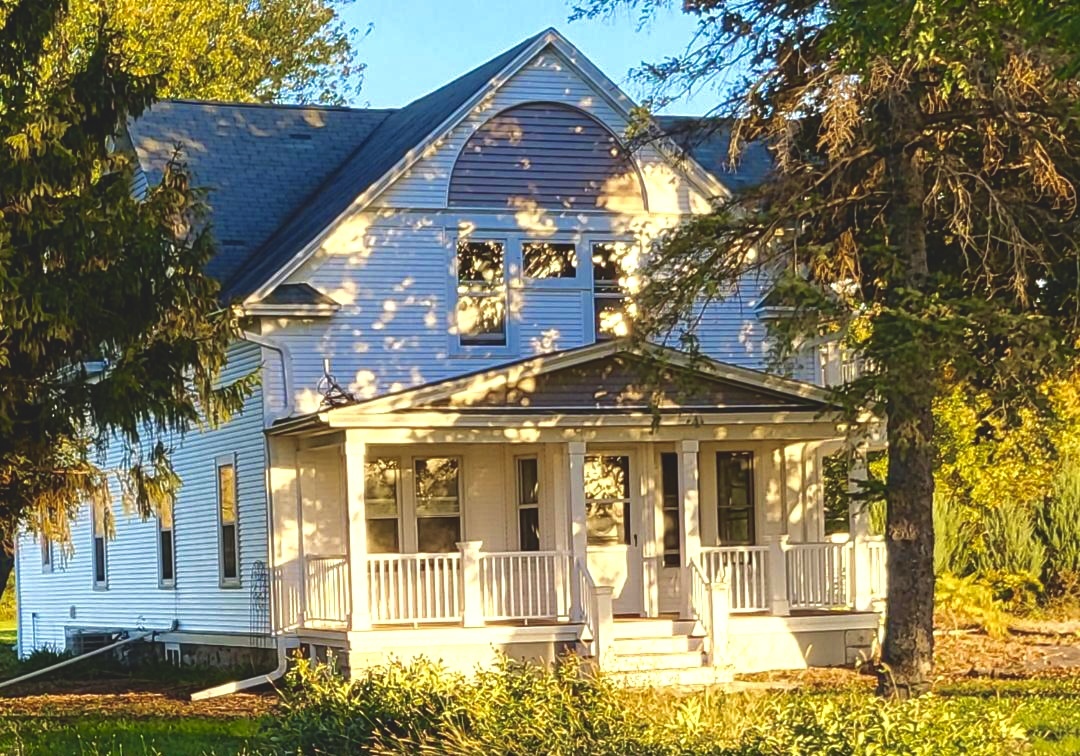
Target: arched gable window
x,y
545,155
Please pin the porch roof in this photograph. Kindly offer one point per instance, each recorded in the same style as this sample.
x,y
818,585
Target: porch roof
x,y
614,379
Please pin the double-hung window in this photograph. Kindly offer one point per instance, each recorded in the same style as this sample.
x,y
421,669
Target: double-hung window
x,y
611,302
481,292
528,503
100,524
381,476
228,522
166,546
46,553
438,504
735,498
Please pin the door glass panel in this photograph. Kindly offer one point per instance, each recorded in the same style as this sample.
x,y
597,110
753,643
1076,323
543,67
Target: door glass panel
x,y
607,499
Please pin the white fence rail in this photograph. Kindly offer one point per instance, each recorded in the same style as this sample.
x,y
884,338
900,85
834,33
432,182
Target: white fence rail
x,y
526,585
744,568
414,588
876,556
819,575
327,588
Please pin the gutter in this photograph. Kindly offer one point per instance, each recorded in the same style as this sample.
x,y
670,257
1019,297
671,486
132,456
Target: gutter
x,y
87,655
252,682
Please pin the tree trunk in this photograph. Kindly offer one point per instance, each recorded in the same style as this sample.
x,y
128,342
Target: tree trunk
x,y
911,380
7,564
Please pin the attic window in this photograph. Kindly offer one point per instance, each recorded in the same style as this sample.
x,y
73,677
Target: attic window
x,y
611,301
548,260
481,289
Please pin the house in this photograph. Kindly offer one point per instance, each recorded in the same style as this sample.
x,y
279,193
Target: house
x,y
452,451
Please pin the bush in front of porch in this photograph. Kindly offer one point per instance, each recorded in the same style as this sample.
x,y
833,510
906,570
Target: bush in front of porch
x,y
528,710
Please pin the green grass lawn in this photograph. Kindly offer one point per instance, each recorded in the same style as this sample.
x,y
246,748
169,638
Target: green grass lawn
x,y
100,735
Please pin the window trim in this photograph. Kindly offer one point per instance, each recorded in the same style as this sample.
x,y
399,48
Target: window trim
x,y
104,508
520,503
415,514
227,460
169,584
752,526
456,284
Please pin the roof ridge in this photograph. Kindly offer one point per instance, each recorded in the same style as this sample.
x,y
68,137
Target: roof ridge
x,y
273,105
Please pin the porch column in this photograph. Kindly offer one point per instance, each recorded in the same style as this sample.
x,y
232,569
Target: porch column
x,y
689,516
578,535
355,455
859,529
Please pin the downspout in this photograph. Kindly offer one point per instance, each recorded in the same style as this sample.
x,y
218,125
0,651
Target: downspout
x,y
252,682
286,372
18,599
87,655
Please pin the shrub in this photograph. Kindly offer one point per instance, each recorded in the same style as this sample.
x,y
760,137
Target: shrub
x,y
524,710
965,602
1058,525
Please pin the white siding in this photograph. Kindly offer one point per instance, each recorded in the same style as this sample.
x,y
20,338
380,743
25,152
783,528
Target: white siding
x,y
49,603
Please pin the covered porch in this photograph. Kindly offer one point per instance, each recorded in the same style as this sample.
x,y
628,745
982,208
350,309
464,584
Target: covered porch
x,y
549,498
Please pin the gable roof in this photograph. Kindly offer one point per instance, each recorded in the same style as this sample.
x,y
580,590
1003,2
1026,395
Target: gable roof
x,y
279,176
708,384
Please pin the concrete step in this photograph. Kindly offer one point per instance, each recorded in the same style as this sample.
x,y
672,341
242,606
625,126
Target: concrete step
x,y
693,677
654,628
647,662
662,645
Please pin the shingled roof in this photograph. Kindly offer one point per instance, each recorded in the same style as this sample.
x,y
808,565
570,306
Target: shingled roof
x,y
278,175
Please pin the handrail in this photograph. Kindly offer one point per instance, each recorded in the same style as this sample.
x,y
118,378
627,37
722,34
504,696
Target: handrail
x,y
745,569
701,603
589,611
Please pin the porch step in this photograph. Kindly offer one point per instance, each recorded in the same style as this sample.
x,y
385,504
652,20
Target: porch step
x,y
656,661
654,628
670,644
689,677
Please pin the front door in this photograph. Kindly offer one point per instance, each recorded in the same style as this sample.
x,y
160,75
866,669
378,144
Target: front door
x,y
612,516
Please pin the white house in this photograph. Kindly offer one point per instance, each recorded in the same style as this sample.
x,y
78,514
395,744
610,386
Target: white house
x,y
488,468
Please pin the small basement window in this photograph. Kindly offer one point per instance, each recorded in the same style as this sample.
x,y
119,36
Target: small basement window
x,y
481,289
548,260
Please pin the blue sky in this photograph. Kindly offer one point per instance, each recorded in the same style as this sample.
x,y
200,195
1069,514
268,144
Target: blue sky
x,y
416,45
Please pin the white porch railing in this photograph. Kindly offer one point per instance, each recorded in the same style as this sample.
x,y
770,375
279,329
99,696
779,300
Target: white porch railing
x,y
820,575
327,588
876,557
526,585
744,568
414,588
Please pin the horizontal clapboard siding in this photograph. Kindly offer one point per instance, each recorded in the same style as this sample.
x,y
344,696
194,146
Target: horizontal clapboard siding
x,y
133,598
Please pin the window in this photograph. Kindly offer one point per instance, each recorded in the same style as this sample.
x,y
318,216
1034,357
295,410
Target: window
x,y
548,260
100,524
46,553
481,307
607,499
381,502
166,552
438,504
611,305
669,489
228,518
735,497
528,501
